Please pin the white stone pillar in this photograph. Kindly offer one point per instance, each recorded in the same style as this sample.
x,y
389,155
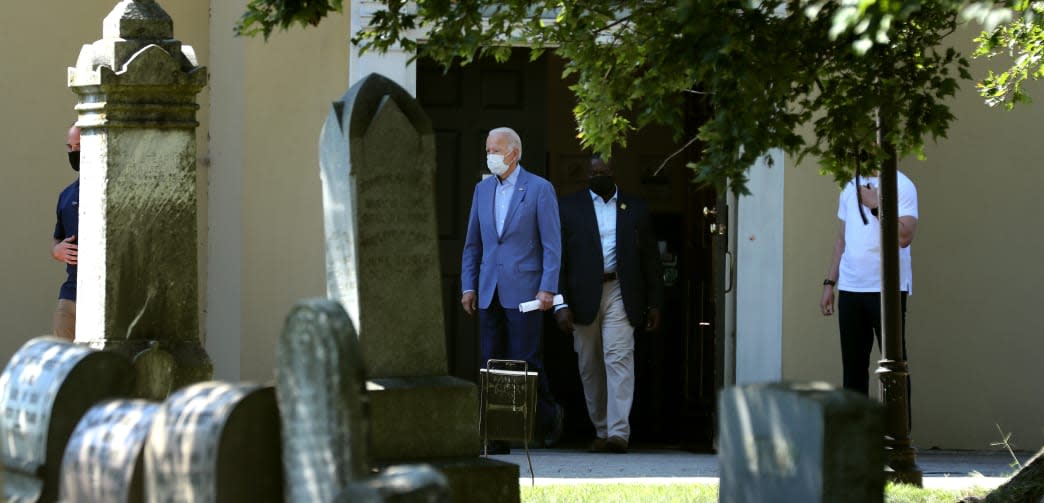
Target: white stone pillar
x,y
759,275
137,280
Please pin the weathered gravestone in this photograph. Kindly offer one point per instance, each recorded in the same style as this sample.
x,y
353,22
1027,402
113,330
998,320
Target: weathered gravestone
x,y
325,411
377,157
215,442
138,276
45,389
800,442
322,402
103,461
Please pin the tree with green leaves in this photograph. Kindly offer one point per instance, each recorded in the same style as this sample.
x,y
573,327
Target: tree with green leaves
x,y
1016,32
764,68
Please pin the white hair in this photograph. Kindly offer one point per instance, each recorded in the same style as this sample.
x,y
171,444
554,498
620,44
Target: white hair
x,y
514,141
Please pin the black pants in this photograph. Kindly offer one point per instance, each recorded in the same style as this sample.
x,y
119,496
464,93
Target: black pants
x,y
859,320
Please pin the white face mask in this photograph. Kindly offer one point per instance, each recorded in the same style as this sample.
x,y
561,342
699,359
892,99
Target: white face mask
x,y
495,163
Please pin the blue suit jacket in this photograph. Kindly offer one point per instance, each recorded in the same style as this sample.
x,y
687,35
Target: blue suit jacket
x,y
637,258
524,259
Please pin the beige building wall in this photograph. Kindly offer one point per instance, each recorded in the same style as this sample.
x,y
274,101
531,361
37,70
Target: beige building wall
x,y
266,235
973,321
38,42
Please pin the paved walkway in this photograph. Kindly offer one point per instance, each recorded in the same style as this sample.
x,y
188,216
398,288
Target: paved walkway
x,y
942,469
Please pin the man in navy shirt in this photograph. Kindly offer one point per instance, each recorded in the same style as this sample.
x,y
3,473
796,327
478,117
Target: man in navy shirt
x,y
63,246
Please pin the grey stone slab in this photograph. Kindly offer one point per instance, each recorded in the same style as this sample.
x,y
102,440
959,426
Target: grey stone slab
x,y
479,480
215,442
801,442
47,386
103,460
322,402
377,160
423,417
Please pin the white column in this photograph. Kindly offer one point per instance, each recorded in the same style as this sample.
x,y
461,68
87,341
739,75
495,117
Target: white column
x,y
759,275
393,64
224,320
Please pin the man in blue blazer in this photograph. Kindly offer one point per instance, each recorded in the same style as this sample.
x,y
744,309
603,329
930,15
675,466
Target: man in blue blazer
x,y
612,282
511,255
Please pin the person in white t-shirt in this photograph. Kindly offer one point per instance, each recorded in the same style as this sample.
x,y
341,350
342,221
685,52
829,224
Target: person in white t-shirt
x,y
855,272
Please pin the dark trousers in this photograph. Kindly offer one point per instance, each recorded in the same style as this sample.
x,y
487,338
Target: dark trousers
x,y
509,334
859,320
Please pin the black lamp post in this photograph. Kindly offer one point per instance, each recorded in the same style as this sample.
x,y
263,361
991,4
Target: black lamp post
x,y
893,371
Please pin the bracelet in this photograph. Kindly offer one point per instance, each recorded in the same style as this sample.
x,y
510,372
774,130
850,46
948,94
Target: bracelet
x,y
829,282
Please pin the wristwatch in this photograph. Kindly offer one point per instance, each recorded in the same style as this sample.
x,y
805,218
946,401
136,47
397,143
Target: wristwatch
x,y
829,282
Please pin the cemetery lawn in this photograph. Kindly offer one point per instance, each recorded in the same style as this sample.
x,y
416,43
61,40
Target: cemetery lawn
x,y
703,493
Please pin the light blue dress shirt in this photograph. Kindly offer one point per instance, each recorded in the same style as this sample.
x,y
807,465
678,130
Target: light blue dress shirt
x,y
605,212
502,200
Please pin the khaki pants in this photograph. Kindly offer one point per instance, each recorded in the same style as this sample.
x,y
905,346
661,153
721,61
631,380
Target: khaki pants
x,y
606,358
64,323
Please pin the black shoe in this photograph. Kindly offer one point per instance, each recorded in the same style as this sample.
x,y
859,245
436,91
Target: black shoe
x,y
558,424
616,445
495,447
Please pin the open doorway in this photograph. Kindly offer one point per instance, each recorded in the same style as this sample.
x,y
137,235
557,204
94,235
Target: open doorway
x,y
679,367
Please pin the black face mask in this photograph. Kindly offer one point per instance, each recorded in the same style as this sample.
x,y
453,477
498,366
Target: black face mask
x,y
602,185
74,160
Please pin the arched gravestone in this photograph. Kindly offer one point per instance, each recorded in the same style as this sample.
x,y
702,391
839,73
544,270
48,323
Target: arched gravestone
x,y
103,461
322,401
215,442
325,415
377,165
44,391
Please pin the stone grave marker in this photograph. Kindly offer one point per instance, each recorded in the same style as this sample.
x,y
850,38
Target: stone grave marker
x,y
138,278
377,165
378,171
103,461
325,415
215,442
47,386
322,401
801,442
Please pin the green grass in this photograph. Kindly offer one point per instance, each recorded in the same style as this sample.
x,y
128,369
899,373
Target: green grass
x,y
610,493
702,493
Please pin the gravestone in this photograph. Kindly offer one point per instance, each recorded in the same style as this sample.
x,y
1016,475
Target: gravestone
x,y
322,402
103,461
801,442
325,415
47,386
138,277
377,165
215,442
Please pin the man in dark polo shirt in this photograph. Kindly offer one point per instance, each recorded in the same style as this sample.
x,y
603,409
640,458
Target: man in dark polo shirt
x,y
63,246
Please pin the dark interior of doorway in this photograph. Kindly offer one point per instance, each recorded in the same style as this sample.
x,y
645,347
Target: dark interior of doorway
x,y
677,367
